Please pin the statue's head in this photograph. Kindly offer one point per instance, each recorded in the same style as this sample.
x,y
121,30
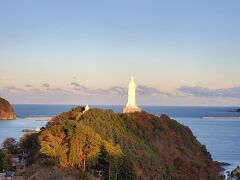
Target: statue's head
x,y
132,78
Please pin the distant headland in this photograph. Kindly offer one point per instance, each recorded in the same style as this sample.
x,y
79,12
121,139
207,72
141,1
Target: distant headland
x,y
6,110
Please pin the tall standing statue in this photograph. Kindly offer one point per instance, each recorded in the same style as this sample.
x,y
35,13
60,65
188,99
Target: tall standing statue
x,y
131,105
132,94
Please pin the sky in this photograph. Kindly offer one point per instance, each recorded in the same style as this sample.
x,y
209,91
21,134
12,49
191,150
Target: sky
x,y
181,53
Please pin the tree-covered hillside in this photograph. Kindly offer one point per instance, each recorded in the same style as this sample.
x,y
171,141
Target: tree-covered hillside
x,y
6,110
123,146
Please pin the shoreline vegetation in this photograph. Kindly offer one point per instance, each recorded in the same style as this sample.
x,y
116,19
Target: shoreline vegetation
x,y
100,143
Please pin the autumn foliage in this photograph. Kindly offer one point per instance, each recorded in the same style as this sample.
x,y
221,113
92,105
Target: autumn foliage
x,y
125,146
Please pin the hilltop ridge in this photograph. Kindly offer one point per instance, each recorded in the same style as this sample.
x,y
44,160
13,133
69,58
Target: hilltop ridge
x,y
126,146
6,110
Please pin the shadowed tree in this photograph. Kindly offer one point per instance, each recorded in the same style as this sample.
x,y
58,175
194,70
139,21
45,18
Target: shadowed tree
x,y
127,169
103,162
4,160
11,144
109,160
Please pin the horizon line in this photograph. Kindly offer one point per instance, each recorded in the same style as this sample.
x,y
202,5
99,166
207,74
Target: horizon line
x,y
142,105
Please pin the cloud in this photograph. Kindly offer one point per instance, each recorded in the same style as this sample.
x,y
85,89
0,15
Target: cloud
x,y
150,91
118,90
80,89
198,91
118,94
75,84
58,90
45,85
28,85
115,90
11,89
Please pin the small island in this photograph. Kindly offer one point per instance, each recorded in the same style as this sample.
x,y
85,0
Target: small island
x,y
6,110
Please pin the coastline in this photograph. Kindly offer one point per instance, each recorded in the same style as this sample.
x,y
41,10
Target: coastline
x,y
213,117
32,117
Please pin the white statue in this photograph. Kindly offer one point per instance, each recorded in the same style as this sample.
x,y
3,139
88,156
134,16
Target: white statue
x,y
132,94
86,108
131,105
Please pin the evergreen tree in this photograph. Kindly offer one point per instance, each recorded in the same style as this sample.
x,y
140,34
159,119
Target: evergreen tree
x,y
4,160
127,169
103,162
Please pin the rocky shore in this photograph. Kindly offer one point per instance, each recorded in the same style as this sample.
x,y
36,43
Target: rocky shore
x,y
6,110
235,174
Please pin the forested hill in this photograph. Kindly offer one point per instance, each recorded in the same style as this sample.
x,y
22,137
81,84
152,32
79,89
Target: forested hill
x,y
6,110
125,146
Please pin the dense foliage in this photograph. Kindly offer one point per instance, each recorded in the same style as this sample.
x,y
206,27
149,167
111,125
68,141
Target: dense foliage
x,y
4,160
123,146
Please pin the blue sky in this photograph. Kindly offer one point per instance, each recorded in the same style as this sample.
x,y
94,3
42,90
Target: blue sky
x,y
73,52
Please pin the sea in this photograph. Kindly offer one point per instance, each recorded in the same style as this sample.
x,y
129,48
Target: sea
x,y
216,127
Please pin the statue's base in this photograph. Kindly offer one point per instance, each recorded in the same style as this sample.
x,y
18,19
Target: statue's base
x,y
131,109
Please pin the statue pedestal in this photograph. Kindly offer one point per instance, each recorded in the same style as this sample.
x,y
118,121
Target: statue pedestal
x,y
131,109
